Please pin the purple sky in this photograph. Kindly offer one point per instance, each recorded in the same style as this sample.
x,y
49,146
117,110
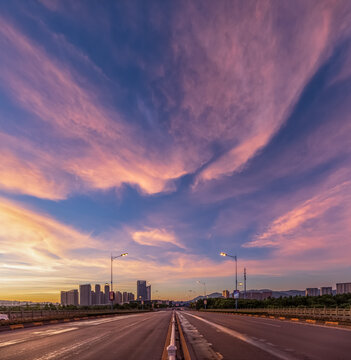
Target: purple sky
x,y
174,131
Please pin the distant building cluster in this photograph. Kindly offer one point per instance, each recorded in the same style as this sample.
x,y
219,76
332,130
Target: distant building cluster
x,y
341,288
251,294
256,295
225,294
87,297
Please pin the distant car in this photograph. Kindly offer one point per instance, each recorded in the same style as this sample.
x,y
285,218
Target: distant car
x,y
3,317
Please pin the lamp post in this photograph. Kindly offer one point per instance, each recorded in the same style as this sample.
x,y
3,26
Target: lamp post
x,y
236,275
113,258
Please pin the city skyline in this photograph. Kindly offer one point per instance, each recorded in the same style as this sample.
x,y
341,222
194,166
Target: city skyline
x,y
125,128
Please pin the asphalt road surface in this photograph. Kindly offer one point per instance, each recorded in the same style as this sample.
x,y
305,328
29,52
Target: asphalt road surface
x,y
136,336
210,336
225,336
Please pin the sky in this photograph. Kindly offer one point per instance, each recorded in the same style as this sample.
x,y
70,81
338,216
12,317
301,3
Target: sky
x,y
174,131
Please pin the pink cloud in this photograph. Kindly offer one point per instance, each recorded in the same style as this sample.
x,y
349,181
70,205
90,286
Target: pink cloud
x,y
231,94
237,94
313,234
110,151
156,237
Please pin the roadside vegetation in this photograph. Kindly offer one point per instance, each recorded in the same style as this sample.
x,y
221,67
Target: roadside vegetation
x,y
340,301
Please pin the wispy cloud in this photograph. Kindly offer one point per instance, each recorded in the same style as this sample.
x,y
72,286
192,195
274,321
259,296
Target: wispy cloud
x,y
156,237
314,233
239,95
94,143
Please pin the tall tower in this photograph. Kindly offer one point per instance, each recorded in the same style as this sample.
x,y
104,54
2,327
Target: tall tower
x,y
148,292
141,290
97,294
85,294
107,291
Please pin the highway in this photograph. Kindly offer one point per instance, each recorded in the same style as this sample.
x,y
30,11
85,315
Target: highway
x,y
209,336
137,336
218,336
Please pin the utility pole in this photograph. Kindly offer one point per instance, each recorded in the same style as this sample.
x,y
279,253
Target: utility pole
x,y
111,282
244,283
236,281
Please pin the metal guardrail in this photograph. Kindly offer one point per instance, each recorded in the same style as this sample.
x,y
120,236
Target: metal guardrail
x,y
341,314
29,315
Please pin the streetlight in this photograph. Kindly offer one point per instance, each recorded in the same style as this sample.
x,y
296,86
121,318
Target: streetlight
x,y
113,258
236,275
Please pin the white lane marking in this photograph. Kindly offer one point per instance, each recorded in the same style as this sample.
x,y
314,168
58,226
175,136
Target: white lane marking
x,y
40,333
271,324
65,350
242,337
102,321
54,332
11,342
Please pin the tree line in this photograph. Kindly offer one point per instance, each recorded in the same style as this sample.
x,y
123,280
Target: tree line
x,y
341,301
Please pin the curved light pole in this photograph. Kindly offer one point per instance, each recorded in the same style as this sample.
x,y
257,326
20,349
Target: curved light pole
x,y
113,258
236,274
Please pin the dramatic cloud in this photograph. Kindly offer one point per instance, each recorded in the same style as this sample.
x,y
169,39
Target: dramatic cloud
x,y
316,231
241,73
43,254
137,130
93,143
155,237
36,238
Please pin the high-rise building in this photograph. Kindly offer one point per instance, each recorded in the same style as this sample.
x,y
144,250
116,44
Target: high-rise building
x,y
97,294
225,294
343,288
72,297
102,298
119,298
141,290
93,298
326,290
148,292
63,297
131,297
125,297
85,294
312,292
107,291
